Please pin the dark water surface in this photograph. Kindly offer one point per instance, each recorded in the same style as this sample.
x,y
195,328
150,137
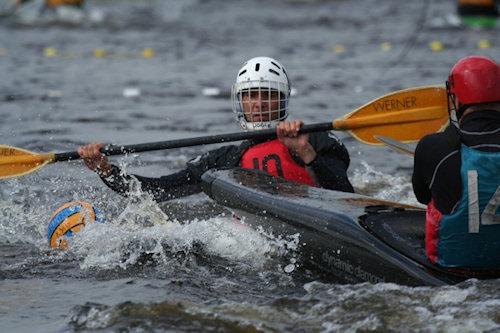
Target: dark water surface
x,y
183,266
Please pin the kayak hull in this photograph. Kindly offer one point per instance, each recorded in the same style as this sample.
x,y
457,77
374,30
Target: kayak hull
x,y
343,237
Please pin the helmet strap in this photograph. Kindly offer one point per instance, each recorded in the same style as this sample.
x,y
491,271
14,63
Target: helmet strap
x,y
453,105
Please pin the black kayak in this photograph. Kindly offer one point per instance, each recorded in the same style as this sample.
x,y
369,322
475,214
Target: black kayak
x,y
344,237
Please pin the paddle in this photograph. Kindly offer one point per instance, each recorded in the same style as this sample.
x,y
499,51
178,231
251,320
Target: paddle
x,y
396,145
404,115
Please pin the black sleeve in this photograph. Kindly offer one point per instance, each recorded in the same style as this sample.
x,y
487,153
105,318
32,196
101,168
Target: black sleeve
x,y
164,188
331,163
419,179
179,184
436,169
226,157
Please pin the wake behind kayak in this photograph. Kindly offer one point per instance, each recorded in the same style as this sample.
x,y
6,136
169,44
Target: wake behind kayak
x,y
344,237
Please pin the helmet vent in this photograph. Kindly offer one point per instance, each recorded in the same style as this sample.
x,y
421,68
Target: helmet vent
x,y
242,72
257,66
273,71
275,64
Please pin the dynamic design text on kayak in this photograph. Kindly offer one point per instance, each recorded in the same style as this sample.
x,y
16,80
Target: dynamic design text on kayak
x,y
396,104
7,152
346,266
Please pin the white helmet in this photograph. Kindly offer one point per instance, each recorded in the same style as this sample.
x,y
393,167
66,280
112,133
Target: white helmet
x,y
261,76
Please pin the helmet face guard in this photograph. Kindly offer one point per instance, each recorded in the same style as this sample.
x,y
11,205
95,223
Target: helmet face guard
x,y
258,106
261,93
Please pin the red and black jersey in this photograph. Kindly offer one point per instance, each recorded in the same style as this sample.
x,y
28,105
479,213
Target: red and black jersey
x,y
275,158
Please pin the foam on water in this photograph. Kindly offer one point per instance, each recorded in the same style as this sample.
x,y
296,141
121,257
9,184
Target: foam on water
x,y
395,307
331,308
135,227
143,228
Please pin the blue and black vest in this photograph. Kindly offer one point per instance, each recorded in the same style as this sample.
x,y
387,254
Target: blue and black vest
x,y
470,235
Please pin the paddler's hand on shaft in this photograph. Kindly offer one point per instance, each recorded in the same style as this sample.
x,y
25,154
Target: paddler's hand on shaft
x,y
288,134
94,159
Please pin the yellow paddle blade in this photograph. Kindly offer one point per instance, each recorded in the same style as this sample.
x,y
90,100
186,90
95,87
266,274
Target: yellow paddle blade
x,y
17,162
405,115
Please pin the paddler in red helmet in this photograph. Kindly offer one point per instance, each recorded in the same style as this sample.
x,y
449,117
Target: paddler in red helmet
x,y
260,99
457,172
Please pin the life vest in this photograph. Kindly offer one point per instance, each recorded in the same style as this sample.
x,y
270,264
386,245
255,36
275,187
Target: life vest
x,y
57,3
274,158
469,237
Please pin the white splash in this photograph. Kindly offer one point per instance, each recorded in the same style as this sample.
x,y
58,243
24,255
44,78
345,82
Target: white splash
x,y
369,181
19,222
143,228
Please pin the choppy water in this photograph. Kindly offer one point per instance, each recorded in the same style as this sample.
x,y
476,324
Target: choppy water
x,y
183,266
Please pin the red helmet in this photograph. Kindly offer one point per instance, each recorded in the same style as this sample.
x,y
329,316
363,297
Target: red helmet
x,y
475,79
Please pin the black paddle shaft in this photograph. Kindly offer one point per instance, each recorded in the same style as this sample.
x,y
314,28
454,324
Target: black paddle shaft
x,y
111,150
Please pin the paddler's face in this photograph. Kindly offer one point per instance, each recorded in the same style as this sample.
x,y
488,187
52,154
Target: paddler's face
x,y
260,105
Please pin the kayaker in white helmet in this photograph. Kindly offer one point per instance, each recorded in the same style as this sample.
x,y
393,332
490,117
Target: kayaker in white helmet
x,y
260,99
457,172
